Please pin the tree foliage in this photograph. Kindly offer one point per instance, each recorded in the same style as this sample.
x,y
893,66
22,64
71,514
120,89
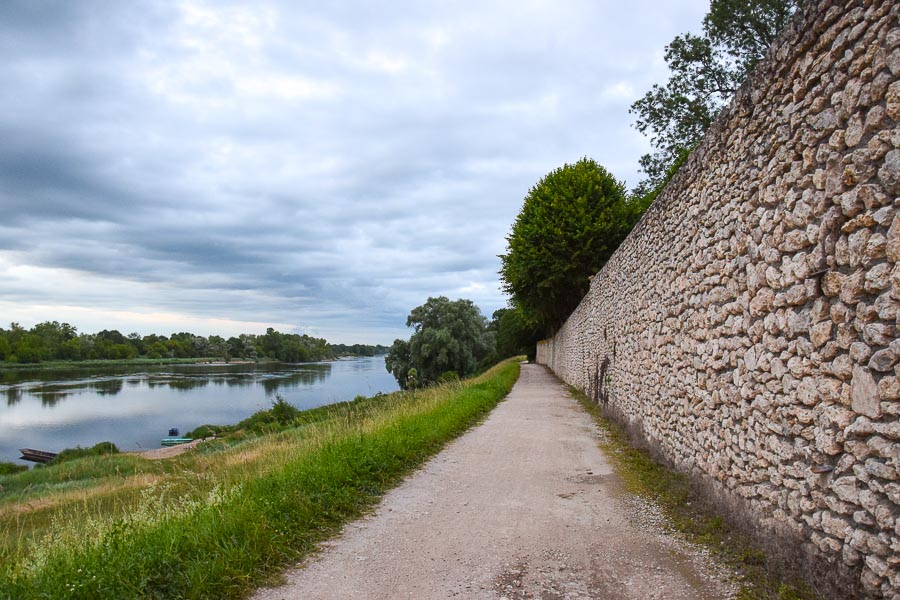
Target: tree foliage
x,y
53,340
706,70
513,334
358,349
570,224
448,336
398,362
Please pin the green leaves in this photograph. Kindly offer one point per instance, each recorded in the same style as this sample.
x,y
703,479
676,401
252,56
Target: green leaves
x,y
705,72
449,336
571,223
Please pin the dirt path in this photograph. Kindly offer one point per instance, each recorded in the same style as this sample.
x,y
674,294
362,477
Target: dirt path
x,y
523,506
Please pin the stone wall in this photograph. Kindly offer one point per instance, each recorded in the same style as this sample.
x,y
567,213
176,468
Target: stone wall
x,y
747,326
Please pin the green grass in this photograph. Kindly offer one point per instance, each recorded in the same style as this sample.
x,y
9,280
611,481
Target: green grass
x,y
683,505
8,468
217,522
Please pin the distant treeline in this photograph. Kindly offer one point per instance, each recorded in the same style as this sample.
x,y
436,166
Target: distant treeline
x,y
54,341
357,350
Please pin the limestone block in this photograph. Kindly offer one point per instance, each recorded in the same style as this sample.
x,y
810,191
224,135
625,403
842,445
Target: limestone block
x,y
820,333
826,441
852,287
870,580
877,565
864,393
892,249
878,334
832,282
883,360
835,525
886,307
841,367
879,468
876,249
845,489
892,98
890,430
878,278
863,518
889,388
860,352
889,173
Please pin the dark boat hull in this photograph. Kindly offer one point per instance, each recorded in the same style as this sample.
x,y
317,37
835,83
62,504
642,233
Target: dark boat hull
x,y
38,456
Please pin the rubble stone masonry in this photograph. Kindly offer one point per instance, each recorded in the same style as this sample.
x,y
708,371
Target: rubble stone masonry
x,y
748,325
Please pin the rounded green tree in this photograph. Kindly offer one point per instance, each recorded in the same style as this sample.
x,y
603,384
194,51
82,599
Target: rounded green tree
x,y
449,336
571,223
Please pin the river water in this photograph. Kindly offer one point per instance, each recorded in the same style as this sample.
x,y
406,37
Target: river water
x,y
134,406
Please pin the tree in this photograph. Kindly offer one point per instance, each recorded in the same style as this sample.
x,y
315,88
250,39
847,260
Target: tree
x,y
30,349
397,362
705,72
158,349
137,341
570,224
513,334
746,29
448,336
217,347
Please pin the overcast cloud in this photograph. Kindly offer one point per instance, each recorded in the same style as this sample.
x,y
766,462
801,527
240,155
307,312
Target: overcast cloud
x,y
318,167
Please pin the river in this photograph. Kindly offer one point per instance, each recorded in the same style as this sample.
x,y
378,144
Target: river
x,y
135,406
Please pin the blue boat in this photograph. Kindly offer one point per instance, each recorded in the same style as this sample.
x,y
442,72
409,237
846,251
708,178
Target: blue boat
x,y
174,441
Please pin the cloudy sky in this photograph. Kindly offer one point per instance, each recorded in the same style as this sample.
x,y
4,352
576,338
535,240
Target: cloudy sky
x,y
317,167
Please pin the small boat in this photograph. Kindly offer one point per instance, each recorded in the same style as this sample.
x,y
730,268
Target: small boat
x,y
38,456
174,441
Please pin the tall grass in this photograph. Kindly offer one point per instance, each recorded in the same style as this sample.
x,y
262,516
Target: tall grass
x,y
220,521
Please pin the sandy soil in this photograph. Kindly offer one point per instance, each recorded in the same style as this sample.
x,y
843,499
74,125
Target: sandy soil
x,y
169,451
523,506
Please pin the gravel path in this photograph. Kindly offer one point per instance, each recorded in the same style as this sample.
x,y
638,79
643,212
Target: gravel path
x,y
523,506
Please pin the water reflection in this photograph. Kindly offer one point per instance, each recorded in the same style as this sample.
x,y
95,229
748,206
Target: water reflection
x,y
53,385
13,396
50,398
134,407
108,388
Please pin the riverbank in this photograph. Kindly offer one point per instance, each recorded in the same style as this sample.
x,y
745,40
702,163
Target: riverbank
x,y
170,451
218,521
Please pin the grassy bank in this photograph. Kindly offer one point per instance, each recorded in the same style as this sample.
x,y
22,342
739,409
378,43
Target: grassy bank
x,y
683,505
218,521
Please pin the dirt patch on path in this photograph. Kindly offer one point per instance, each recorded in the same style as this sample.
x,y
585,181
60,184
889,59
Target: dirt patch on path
x,y
523,506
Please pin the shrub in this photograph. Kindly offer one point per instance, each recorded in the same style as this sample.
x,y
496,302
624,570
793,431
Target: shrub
x,y
448,377
79,452
8,468
283,412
